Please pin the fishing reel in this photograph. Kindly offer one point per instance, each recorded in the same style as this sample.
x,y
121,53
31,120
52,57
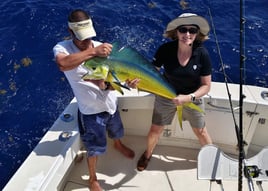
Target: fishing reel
x,y
253,171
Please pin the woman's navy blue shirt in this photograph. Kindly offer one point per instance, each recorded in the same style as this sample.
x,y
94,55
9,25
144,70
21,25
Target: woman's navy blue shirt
x,y
185,79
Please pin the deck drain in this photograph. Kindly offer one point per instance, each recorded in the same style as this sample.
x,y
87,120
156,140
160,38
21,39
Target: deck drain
x,y
264,95
67,117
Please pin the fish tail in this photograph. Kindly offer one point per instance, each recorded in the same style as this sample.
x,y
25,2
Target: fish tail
x,y
179,113
190,105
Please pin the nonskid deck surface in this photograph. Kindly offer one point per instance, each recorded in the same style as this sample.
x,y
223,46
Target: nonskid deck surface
x,y
170,169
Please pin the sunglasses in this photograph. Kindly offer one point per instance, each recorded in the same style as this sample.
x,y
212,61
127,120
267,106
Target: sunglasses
x,y
191,30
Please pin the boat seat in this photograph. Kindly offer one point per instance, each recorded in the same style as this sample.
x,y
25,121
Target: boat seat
x,y
215,165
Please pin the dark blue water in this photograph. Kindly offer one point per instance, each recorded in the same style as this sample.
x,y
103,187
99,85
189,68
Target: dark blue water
x,y
33,92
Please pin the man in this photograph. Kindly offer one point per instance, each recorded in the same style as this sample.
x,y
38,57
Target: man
x,y
97,103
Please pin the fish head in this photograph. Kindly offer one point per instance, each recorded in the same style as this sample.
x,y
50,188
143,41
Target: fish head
x,y
95,70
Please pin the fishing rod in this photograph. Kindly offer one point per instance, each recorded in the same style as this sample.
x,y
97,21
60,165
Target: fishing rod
x,y
239,131
242,167
225,80
241,98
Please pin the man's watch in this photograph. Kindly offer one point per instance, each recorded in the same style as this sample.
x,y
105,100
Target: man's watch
x,y
192,97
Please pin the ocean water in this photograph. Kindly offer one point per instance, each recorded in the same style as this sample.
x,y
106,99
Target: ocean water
x,y
33,92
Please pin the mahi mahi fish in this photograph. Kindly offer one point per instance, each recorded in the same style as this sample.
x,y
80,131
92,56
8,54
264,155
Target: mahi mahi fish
x,y
125,63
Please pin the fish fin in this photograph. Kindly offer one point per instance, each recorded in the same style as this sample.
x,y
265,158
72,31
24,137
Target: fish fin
x,y
179,113
121,85
193,106
117,87
117,81
114,76
127,54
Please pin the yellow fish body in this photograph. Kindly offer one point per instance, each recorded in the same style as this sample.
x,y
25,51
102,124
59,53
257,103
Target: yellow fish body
x,y
126,63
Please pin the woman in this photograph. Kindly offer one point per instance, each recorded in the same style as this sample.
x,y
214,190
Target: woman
x,y
187,67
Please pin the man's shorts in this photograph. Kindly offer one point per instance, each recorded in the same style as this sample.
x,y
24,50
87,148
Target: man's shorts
x,y
93,129
165,109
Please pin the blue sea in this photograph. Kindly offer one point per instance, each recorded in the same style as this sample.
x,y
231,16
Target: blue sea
x,y
33,92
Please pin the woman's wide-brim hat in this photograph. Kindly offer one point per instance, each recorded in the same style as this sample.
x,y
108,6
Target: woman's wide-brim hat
x,y
189,19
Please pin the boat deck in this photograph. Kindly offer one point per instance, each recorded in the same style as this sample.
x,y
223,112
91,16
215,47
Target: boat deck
x,y
170,168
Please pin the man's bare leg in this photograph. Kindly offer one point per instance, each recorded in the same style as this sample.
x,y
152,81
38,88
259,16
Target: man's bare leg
x,y
129,153
93,181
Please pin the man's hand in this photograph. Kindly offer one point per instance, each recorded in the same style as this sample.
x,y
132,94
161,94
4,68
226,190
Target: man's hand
x,y
133,83
104,50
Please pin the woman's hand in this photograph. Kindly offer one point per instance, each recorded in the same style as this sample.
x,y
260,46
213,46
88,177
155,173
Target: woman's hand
x,y
181,99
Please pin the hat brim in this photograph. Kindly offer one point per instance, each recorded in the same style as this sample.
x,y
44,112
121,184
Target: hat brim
x,y
190,20
83,29
85,33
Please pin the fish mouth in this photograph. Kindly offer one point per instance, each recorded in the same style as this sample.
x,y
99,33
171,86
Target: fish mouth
x,y
96,72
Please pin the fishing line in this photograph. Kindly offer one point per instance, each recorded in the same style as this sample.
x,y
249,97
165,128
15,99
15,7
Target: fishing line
x,y
224,74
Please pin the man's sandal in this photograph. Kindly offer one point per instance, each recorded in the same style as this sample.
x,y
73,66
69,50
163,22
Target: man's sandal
x,y
143,162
